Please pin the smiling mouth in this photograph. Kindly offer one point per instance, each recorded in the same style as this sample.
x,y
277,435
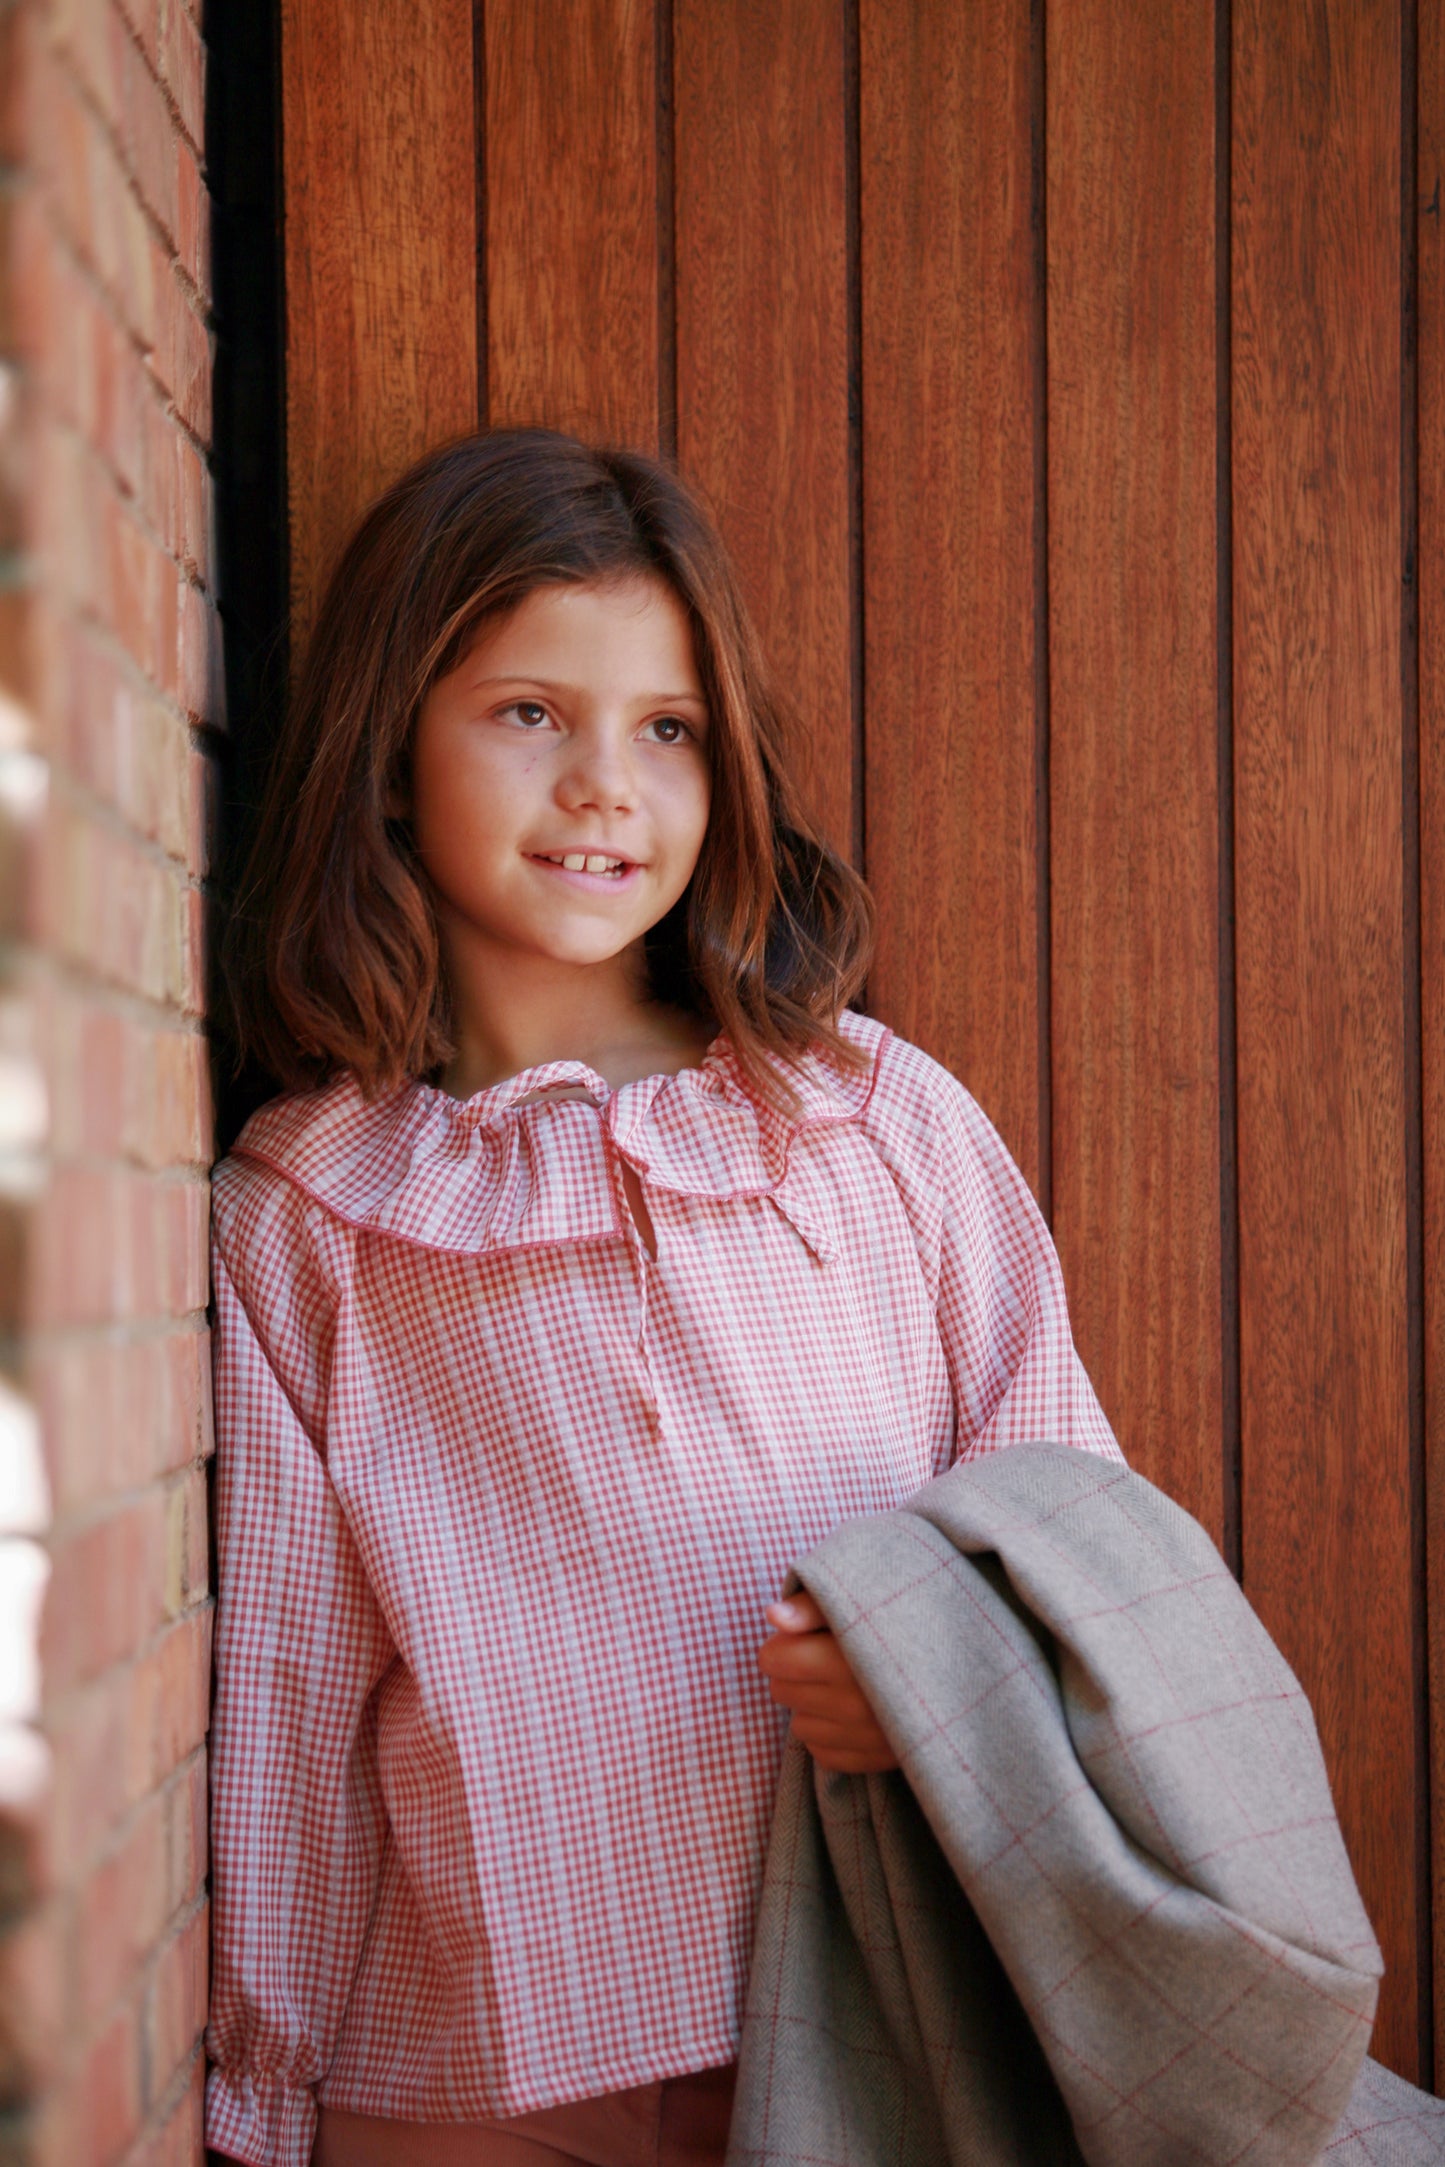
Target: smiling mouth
x,y
582,861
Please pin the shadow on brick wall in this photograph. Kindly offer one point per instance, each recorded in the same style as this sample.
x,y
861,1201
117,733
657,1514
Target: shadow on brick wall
x,y
243,156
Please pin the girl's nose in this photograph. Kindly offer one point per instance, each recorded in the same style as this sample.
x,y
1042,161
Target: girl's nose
x,y
599,774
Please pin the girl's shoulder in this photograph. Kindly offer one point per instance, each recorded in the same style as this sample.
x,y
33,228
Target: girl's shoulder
x,y
307,1157
332,1144
914,1101
942,1150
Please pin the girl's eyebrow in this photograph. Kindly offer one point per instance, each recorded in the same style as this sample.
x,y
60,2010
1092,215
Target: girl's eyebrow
x,y
550,684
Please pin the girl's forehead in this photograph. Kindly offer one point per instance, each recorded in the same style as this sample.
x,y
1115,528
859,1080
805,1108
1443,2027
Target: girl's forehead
x,y
597,625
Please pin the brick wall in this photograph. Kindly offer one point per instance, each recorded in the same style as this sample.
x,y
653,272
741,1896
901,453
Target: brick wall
x,y
109,701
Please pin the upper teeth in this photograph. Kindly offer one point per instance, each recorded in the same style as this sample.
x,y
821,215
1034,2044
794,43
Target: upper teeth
x,y
576,861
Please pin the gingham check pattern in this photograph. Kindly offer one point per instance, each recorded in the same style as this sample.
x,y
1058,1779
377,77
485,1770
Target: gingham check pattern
x,y
1103,1913
501,1498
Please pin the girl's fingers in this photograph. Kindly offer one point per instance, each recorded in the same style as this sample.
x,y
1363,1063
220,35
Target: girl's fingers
x,y
846,1748
806,1658
856,1764
837,1734
796,1614
838,1704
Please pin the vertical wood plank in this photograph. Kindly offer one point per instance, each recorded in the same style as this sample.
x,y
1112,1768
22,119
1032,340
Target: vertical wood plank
x,y
1431,590
1133,762
570,149
1318,757
381,352
762,341
950,549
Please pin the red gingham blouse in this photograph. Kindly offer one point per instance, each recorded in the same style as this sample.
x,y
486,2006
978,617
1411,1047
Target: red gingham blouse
x,y
501,1498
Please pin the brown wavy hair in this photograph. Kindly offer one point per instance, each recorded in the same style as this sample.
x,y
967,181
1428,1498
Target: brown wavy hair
x,y
331,954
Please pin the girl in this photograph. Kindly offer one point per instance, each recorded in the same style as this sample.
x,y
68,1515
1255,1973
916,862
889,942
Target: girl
x,y
599,1261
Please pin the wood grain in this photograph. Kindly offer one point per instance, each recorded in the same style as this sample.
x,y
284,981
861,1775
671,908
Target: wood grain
x,y
950,548
762,342
1133,762
1322,1098
1431,562
381,352
570,149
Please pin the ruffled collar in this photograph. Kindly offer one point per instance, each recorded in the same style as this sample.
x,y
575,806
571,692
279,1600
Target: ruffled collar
x,y
522,1162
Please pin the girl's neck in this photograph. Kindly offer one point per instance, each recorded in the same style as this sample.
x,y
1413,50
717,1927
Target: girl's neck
x,y
598,1017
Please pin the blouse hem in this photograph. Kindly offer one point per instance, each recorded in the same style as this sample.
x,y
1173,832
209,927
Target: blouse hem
x,y
681,2060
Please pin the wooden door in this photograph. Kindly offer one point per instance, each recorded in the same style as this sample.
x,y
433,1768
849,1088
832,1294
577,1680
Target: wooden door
x,y
1084,473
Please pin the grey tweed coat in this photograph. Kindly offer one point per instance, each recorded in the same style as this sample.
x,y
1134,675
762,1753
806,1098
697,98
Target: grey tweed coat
x,y
1103,1913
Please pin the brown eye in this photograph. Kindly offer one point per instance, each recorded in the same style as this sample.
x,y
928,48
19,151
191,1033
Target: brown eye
x,y
675,728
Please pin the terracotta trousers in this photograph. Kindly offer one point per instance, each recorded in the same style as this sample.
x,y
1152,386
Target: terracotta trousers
x,y
682,2122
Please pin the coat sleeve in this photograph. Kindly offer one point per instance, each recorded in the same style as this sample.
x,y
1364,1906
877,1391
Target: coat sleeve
x,y
998,1291
297,1820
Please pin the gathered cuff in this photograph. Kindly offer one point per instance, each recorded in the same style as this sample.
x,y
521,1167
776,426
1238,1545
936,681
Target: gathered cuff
x,y
259,2119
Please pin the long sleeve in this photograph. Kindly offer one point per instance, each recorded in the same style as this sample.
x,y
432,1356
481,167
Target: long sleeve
x,y
999,1293
297,1822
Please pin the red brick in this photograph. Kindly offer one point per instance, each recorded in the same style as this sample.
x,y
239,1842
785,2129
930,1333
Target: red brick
x,y
156,1394
123,399
187,1559
118,1740
134,590
186,1835
182,359
108,2103
147,134
15,29
193,540
87,1046
193,221
115,909
183,69
125,744
17,642
65,546
92,1773
200,684
9,314
163,802
106,1593
204,809
160,483
167,1111
167,1099
111,1245
33,2001
170,1701
144,17
15,1243
22,830
193,996
120,1913
176,2005
177,2140
30,276
93,39
97,206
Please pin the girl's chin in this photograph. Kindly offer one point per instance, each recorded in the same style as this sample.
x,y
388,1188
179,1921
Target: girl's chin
x,y
585,950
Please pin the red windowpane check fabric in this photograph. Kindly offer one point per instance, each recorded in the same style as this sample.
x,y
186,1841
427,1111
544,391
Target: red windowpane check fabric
x,y
501,1499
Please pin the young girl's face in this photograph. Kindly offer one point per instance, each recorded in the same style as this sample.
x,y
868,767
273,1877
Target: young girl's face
x,y
573,729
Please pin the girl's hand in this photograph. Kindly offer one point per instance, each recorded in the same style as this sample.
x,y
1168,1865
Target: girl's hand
x,y
807,1672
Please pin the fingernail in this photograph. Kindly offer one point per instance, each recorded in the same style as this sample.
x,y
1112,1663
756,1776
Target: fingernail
x,y
782,1613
